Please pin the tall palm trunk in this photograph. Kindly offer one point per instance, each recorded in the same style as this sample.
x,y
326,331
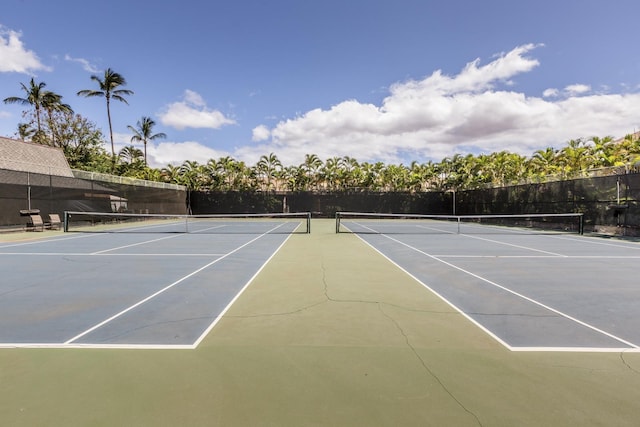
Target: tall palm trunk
x,y
113,147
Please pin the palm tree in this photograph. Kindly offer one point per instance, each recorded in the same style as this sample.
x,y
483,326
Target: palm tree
x,y
192,175
35,94
543,162
628,150
25,131
370,176
144,133
506,167
213,178
311,166
52,102
130,154
295,178
108,89
349,171
170,173
572,157
268,167
395,178
417,176
225,168
330,173
601,152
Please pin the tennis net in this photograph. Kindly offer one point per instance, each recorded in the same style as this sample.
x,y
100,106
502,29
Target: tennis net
x,y
269,223
375,223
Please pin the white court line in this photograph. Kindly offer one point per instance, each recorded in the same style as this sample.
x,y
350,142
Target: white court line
x,y
101,346
542,256
579,349
133,244
126,228
546,307
195,345
440,230
80,254
47,240
514,231
478,238
222,313
596,241
513,245
166,288
112,249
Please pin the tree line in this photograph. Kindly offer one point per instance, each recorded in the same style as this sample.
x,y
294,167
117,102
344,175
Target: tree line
x,y
52,122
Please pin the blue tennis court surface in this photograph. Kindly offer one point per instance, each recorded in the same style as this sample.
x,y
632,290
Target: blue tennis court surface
x,y
530,291
131,290
127,289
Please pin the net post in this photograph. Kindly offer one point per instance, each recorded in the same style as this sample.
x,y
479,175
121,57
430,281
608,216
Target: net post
x,y
65,225
337,222
581,224
458,219
308,222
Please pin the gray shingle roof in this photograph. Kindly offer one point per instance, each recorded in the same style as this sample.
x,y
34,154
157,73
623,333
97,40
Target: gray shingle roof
x,y
27,157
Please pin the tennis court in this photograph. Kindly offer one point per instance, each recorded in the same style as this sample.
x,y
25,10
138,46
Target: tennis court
x,y
529,288
152,281
133,281
294,329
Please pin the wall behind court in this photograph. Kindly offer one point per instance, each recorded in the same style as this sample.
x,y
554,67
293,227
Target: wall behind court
x,y
610,203
85,191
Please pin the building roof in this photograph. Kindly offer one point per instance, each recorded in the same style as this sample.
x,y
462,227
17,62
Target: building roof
x,y
28,157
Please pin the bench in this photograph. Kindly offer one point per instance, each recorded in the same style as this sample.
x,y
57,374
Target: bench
x,y
54,222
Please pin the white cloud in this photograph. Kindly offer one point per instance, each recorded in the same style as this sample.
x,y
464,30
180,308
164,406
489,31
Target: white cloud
x,y
260,133
192,112
577,89
160,154
175,153
194,98
86,65
441,115
14,57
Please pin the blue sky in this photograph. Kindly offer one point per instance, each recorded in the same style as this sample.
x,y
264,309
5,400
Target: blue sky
x,y
393,81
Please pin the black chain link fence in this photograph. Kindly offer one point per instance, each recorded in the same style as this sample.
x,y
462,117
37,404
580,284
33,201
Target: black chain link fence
x,y
609,203
319,204
87,192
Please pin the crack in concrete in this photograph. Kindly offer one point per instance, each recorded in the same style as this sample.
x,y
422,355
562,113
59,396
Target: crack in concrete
x,y
423,363
328,298
282,313
426,367
625,363
380,305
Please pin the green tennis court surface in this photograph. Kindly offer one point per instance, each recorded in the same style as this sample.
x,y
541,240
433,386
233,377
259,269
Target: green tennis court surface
x,y
331,332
